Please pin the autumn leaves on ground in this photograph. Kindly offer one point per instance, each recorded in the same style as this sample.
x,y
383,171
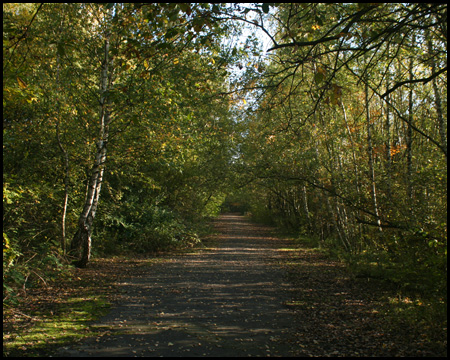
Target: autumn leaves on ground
x,y
247,293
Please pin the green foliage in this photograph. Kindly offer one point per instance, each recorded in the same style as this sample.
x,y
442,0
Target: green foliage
x,y
150,228
169,144
67,322
338,152
30,252
417,313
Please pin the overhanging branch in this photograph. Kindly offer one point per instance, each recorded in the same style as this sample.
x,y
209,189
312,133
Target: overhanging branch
x,y
424,80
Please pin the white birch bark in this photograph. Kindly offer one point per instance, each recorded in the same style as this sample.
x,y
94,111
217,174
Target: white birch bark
x,y
82,243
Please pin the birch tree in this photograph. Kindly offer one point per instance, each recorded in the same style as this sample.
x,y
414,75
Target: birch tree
x,y
82,241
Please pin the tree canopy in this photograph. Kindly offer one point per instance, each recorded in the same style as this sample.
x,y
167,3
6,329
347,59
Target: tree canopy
x,y
347,141
125,125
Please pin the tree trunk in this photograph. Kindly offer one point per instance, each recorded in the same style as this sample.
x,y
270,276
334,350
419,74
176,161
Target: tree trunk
x,y
387,129
65,155
306,209
442,121
82,243
409,138
370,155
66,190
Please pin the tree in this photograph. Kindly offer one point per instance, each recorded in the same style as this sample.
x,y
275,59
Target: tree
x,y
109,83
338,130
82,238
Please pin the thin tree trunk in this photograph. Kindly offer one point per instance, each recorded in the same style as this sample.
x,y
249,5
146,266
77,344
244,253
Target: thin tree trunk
x,y
306,209
82,242
370,155
409,187
66,190
387,127
355,162
64,153
437,97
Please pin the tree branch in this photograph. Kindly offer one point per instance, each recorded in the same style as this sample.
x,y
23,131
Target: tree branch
x,y
354,18
21,37
304,43
425,80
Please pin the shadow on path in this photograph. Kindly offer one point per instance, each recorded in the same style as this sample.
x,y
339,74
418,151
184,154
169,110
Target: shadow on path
x,y
224,301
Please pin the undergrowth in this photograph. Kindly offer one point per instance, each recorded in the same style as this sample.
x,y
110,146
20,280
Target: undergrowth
x,y
417,298
51,316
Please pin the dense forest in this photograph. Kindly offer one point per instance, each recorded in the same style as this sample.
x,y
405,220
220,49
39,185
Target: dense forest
x,y
126,126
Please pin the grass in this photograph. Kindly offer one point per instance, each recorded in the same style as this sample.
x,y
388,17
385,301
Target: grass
x,y
67,323
419,314
409,302
58,312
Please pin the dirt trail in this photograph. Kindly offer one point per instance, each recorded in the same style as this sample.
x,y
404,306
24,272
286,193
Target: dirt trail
x,y
225,301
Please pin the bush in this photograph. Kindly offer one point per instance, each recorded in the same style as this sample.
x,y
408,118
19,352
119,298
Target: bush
x,y
30,226
153,229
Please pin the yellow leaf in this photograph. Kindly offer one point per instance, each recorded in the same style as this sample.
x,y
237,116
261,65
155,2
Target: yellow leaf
x,y
146,64
176,61
21,83
321,70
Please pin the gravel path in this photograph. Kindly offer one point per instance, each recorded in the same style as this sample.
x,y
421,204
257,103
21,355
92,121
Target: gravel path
x,y
224,301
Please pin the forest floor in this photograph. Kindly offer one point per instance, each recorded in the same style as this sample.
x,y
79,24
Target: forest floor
x,y
248,293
